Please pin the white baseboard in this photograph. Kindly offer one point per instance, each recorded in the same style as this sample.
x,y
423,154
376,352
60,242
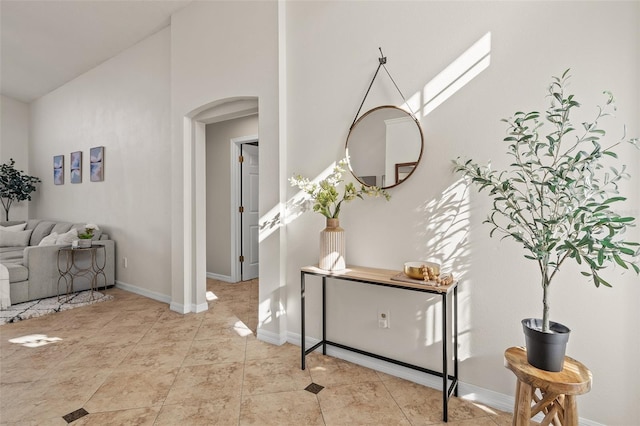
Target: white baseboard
x,y
486,397
225,278
271,337
467,391
200,307
144,292
176,307
185,309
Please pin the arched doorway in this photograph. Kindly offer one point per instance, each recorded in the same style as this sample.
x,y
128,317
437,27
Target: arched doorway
x,y
194,202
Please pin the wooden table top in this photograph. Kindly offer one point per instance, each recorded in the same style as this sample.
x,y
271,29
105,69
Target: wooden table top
x,y
381,276
574,379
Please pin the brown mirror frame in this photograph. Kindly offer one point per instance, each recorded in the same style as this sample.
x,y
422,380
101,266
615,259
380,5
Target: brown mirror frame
x,y
400,171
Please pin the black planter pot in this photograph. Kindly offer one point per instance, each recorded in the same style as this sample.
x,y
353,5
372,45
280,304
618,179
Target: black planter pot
x,y
545,350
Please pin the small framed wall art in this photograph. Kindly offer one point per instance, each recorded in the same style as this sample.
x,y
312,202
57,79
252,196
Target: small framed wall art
x,y
76,167
97,164
58,169
403,170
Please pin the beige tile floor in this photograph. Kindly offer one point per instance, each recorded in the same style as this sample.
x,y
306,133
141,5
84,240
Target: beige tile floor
x,y
132,361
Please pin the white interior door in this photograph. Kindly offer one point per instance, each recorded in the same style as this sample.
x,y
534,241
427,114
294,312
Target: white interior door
x,y
249,189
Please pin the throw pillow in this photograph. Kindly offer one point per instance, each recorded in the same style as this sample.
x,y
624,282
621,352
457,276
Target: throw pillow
x,y
14,238
49,240
67,237
14,228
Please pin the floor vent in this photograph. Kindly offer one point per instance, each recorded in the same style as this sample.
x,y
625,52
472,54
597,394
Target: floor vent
x,y
314,388
75,415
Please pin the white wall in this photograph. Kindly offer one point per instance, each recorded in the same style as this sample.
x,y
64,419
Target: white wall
x,y
14,143
430,216
124,106
219,137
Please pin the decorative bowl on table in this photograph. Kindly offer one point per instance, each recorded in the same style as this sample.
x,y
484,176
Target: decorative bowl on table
x,y
416,269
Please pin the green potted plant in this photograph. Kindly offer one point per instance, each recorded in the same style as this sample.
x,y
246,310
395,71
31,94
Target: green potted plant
x,y
15,185
86,236
327,201
556,199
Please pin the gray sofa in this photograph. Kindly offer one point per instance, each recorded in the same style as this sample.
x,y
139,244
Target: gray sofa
x,y
33,270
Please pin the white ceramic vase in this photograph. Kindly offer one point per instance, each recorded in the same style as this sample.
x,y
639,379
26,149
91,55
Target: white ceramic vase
x,y
332,247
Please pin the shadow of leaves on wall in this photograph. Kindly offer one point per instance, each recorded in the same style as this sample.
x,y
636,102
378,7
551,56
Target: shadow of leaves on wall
x,y
444,238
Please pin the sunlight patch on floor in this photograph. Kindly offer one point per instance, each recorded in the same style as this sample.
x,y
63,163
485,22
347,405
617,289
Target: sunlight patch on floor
x,y
242,329
486,409
35,340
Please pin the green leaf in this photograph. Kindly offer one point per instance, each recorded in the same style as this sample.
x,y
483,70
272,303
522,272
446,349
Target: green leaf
x,y
622,219
601,281
619,261
613,200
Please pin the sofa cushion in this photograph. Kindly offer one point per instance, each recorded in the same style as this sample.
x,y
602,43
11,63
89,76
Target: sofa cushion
x,y
67,237
32,223
8,249
17,272
11,254
15,238
49,240
18,227
61,227
12,222
42,229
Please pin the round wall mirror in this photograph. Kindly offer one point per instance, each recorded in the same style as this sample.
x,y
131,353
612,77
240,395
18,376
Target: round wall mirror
x,y
384,146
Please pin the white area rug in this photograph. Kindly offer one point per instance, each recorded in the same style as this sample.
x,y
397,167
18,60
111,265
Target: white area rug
x,y
37,308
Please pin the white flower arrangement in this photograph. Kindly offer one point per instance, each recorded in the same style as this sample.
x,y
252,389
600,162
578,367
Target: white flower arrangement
x,y
325,195
89,229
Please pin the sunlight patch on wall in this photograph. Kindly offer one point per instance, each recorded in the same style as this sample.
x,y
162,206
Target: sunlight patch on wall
x,y
444,229
266,314
460,72
433,324
293,208
269,222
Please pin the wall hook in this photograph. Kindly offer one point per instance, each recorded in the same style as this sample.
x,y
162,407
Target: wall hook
x,y
382,59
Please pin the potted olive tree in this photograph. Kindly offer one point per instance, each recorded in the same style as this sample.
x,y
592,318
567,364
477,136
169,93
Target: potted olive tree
x,y
15,185
556,199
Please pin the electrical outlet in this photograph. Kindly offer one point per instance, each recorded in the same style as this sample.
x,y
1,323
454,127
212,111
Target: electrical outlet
x,y
125,262
383,318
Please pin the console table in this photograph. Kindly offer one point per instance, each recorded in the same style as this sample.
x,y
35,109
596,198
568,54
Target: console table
x,y
70,270
383,277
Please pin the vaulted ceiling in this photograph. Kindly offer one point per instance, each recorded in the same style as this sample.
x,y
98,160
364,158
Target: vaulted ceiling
x,y
45,44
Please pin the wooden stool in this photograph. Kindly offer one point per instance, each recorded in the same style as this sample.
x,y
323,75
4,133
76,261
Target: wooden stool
x,y
557,391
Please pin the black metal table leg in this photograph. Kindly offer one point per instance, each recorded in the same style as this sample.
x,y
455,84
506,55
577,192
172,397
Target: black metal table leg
x,y
302,337
445,374
455,338
324,316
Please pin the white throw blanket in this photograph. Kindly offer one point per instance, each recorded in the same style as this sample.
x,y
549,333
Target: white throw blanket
x,y
5,298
